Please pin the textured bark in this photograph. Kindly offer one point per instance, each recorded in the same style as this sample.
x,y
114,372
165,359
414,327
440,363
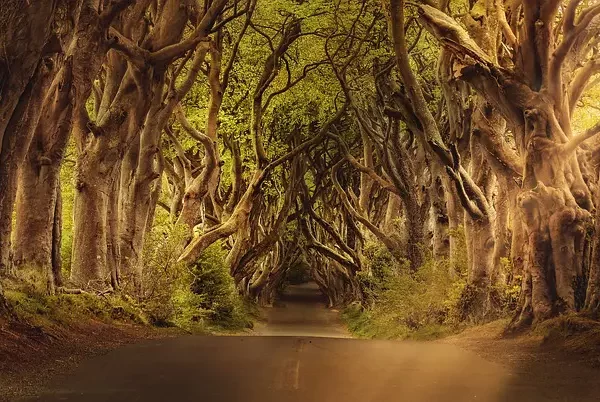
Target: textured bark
x,y
212,124
366,183
38,180
415,224
199,187
554,200
140,200
86,54
242,266
89,235
57,238
592,302
35,207
113,252
14,147
24,31
238,220
439,215
140,172
102,146
455,223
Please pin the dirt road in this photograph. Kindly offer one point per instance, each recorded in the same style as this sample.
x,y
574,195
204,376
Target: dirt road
x,y
303,357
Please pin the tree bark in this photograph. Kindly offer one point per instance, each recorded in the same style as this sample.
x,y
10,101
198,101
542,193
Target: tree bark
x,y
35,208
38,180
25,28
57,238
13,150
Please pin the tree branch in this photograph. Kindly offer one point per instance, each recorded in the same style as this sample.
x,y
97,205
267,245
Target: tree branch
x,y
575,142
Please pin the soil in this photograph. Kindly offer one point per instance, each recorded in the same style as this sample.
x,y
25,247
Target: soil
x,y
581,347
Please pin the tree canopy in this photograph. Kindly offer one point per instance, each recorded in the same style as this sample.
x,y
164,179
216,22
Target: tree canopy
x,y
348,137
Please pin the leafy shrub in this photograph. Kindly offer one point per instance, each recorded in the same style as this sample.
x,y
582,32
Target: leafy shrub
x,y
381,262
406,304
216,289
505,295
165,281
197,297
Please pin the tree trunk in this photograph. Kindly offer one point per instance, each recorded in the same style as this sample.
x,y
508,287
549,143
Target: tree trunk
x,y
455,223
441,237
13,149
415,226
113,252
129,252
38,180
92,189
98,152
501,233
555,223
35,208
57,238
592,301
24,31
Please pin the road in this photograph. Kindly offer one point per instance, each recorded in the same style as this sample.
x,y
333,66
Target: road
x,y
305,355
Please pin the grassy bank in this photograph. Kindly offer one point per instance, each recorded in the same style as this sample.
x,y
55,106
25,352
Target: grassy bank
x,y
432,302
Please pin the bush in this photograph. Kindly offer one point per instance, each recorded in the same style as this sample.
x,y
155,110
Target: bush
x,y
216,289
197,297
405,304
166,283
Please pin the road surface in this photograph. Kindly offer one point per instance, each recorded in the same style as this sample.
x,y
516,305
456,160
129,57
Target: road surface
x,y
314,363
301,311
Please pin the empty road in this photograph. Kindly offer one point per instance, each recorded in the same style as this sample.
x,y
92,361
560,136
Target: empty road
x,y
304,355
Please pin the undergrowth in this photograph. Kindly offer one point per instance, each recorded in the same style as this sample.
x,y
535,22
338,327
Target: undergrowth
x,y
200,298
432,302
34,306
401,304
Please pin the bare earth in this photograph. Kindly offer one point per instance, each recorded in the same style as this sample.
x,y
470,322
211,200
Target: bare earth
x,y
304,356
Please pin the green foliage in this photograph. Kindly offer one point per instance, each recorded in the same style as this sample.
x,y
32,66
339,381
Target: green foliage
x,y
215,286
507,291
67,174
197,298
166,283
403,304
36,307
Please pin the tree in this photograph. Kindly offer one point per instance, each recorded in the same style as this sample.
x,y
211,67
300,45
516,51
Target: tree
x,y
534,96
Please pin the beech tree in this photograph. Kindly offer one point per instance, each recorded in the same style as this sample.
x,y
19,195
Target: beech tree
x,y
524,85
324,134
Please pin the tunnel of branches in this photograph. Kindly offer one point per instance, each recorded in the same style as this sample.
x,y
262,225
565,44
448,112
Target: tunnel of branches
x,y
302,133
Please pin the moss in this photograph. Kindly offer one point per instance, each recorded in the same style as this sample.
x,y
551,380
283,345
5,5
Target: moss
x,y
24,305
575,332
72,308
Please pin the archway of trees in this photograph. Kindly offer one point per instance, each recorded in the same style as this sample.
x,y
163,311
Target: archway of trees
x,y
304,131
